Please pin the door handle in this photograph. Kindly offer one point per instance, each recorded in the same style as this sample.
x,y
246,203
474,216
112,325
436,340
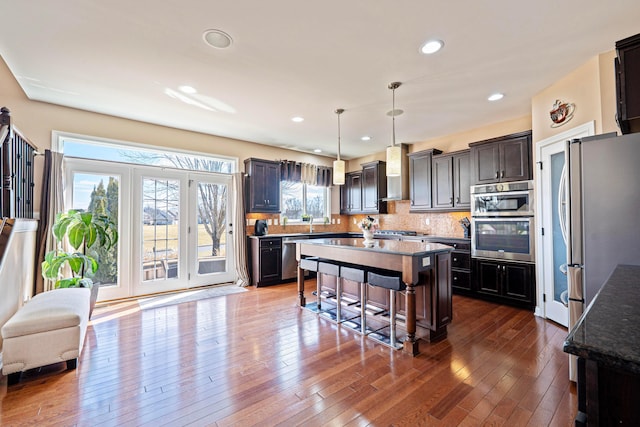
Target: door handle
x,y
502,174
497,174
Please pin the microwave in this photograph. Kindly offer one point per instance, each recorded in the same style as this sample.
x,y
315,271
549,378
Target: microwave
x,y
502,199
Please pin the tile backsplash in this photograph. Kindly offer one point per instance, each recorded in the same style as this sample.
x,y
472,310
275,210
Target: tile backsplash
x,y
442,224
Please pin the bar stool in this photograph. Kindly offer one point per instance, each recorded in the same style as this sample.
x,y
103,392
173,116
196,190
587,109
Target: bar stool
x,y
330,268
309,264
356,274
392,281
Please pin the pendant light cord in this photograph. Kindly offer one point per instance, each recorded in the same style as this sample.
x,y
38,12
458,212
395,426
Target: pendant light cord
x,y
393,116
338,112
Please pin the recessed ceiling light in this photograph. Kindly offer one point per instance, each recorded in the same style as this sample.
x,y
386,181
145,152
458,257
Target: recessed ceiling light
x,y
495,97
187,89
317,150
432,46
218,39
297,119
366,138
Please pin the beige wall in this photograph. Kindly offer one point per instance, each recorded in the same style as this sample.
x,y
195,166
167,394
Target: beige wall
x,y
37,120
591,87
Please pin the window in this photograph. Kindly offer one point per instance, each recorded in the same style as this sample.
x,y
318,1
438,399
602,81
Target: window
x,y
303,199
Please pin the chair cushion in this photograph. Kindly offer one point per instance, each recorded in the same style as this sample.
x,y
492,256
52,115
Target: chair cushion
x,y
327,267
48,311
310,264
389,280
353,273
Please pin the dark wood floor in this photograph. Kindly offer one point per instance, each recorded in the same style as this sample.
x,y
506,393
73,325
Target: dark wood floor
x,y
255,358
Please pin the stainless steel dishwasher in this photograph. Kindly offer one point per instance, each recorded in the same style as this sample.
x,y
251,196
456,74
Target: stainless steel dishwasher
x,y
289,263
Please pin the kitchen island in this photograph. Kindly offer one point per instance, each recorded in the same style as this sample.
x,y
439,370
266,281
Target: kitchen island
x,y
605,339
421,264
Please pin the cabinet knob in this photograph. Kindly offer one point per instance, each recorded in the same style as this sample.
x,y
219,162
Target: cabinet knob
x,y
451,200
455,278
457,199
455,259
455,245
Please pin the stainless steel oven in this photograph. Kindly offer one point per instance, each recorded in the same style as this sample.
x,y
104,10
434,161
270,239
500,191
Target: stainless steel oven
x,y
502,199
509,238
502,221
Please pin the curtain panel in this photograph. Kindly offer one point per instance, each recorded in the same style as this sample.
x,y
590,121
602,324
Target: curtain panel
x,y
306,173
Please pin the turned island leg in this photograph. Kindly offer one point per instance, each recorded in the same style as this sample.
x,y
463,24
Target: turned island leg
x,y
410,342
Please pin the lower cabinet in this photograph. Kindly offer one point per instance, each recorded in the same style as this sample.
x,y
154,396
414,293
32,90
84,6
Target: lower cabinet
x,y
460,264
503,281
266,261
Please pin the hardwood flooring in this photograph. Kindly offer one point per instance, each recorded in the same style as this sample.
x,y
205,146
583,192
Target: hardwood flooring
x,y
255,358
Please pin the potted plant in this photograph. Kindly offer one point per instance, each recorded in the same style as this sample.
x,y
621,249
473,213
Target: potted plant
x,y
85,232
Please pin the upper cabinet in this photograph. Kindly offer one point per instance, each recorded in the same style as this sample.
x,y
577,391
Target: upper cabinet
x,y
451,181
420,179
351,193
374,187
502,159
628,84
262,185
364,190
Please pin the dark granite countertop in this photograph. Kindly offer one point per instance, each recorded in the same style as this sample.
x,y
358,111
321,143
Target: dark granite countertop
x,y
397,247
608,332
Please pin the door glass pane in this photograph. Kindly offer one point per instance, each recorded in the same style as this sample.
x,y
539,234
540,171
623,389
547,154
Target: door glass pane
x,y
160,235
100,194
559,246
212,228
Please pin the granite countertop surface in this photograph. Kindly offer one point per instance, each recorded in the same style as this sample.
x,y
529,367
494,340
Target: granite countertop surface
x,y
609,330
320,235
396,247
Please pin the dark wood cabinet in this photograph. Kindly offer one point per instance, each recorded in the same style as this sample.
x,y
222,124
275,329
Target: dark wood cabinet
x,y
374,187
508,282
262,185
351,194
420,175
460,264
502,159
364,190
266,261
451,181
627,66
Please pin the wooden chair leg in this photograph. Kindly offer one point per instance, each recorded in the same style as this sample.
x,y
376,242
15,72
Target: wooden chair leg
x,y
14,378
72,364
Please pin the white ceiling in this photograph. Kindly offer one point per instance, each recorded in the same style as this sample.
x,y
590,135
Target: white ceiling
x,y
292,57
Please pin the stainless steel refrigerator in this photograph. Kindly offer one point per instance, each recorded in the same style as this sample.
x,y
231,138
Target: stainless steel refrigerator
x,y
602,214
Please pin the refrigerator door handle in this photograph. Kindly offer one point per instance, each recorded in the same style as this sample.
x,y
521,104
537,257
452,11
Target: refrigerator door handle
x,y
575,283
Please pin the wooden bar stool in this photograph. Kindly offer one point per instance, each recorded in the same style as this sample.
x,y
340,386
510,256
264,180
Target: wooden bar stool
x,y
356,274
392,281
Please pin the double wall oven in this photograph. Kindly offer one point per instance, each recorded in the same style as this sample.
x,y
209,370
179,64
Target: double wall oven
x,y
502,221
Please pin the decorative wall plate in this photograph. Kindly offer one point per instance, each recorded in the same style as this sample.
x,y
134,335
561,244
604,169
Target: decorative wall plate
x,y
561,113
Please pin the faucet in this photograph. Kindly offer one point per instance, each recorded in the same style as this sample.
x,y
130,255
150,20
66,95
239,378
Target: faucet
x,y
311,225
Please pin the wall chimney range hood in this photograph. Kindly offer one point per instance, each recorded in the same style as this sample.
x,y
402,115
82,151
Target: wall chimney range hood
x,y
398,186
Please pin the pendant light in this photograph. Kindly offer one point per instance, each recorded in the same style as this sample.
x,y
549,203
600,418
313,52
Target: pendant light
x,y
394,152
338,165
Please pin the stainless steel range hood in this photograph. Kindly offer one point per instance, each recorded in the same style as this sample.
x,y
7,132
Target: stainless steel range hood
x,y
398,186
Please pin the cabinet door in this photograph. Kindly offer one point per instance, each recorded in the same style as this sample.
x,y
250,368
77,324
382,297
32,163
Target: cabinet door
x,y
355,192
488,275
270,264
272,187
514,159
517,283
485,163
344,197
420,181
442,175
370,188
462,180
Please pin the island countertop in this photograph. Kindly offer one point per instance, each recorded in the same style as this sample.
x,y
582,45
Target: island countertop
x,y
609,330
395,247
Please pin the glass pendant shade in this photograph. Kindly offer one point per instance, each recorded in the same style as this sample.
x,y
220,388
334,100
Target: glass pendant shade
x,y
394,164
338,172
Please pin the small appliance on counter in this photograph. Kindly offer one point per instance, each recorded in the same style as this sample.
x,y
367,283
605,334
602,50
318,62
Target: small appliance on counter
x,y
260,228
466,225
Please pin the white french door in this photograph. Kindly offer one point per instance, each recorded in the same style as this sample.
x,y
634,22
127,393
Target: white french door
x,y
173,225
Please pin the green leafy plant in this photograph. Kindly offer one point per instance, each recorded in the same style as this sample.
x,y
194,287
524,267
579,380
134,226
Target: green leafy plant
x,y
84,232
